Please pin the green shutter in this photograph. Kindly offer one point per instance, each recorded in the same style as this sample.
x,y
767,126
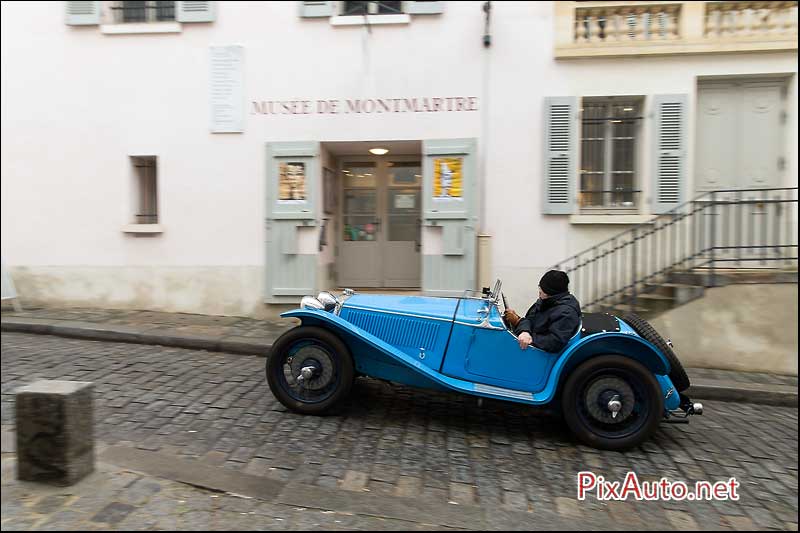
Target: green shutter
x,y
669,151
560,153
290,272
317,9
193,11
454,269
83,13
424,7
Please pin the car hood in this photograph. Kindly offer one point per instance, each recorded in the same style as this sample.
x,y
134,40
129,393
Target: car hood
x,y
422,306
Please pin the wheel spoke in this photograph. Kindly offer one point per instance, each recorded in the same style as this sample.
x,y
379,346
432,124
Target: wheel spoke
x,y
309,372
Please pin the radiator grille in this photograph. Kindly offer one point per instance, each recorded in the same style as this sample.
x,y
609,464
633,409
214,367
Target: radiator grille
x,y
397,330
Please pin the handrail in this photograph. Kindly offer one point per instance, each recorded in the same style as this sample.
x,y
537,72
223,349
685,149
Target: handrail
x,y
672,211
726,226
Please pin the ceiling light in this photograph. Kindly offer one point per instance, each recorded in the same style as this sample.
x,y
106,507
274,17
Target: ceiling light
x,y
378,151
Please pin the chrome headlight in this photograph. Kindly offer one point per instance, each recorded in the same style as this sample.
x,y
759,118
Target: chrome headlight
x,y
309,302
328,300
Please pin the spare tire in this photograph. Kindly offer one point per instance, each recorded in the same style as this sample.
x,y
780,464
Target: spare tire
x,y
641,326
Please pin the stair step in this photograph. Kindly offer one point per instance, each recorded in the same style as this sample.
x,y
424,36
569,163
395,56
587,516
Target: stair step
x,y
672,285
627,308
648,296
653,296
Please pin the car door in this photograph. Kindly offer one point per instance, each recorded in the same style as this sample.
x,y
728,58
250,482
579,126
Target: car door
x,y
483,350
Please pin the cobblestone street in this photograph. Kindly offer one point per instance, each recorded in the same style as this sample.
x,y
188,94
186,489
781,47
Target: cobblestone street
x,y
514,466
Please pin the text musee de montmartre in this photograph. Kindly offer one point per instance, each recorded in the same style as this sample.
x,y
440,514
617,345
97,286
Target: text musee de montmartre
x,y
364,105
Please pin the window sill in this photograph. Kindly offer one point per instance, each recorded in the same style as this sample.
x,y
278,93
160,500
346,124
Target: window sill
x,y
143,228
372,20
141,27
610,218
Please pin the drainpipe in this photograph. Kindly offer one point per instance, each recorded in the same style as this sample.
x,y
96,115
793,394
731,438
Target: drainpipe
x,y
484,239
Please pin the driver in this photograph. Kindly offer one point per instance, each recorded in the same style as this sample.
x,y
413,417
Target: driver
x,y
553,319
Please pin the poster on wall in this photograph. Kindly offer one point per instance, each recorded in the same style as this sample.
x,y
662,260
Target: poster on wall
x,y
227,89
291,183
448,178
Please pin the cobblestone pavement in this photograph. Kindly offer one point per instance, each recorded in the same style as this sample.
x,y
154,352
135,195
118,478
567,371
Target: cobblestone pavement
x,y
516,465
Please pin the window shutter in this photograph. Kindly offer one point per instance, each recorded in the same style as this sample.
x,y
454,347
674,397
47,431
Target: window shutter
x,y
424,7
83,13
191,11
317,9
559,155
669,151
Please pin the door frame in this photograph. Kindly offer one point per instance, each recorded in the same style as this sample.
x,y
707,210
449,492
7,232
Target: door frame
x,y
381,208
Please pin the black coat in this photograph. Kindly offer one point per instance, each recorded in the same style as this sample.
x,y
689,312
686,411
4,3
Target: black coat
x,y
552,321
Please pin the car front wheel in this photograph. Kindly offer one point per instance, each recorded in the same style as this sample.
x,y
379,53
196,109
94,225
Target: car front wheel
x,y
310,370
612,402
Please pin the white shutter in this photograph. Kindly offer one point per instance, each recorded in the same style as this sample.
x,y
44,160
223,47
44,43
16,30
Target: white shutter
x,y
559,155
317,9
83,13
424,7
192,11
669,151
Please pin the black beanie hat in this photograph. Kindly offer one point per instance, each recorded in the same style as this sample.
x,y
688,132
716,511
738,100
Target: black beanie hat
x,y
554,282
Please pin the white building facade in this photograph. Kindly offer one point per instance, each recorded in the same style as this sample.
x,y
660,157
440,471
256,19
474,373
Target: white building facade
x,y
214,157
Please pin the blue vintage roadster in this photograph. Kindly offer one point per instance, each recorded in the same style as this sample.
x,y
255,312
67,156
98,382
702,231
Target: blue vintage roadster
x,y
614,381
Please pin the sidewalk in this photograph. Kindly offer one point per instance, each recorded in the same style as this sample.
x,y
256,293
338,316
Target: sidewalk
x,y
255,337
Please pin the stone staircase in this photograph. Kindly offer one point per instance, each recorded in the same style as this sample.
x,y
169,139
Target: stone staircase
x,y
717,239
682,287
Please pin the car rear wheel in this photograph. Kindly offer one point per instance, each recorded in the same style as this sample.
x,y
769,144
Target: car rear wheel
x,y
310,370
612,402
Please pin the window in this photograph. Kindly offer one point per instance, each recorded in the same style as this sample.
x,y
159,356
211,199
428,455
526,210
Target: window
x,y
146,189
143,11
609,140
372,8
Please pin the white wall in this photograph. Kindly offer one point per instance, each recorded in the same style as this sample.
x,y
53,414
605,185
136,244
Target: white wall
x,y
76,103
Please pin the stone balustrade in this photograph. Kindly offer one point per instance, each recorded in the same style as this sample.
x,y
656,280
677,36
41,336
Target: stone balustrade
x,y
627,23
590,29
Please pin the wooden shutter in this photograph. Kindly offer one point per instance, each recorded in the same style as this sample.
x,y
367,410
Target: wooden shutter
x,y
559,155
424,7
83,13
317,9
669,151
192,11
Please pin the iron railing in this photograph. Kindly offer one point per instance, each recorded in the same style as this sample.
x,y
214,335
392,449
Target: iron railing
x,y
372,8
613,199
147,218
725,228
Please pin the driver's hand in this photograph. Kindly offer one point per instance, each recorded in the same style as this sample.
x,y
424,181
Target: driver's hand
x,y
525,340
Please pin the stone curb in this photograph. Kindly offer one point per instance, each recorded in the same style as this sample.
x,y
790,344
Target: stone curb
x,y
705,389
781,395
119,333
